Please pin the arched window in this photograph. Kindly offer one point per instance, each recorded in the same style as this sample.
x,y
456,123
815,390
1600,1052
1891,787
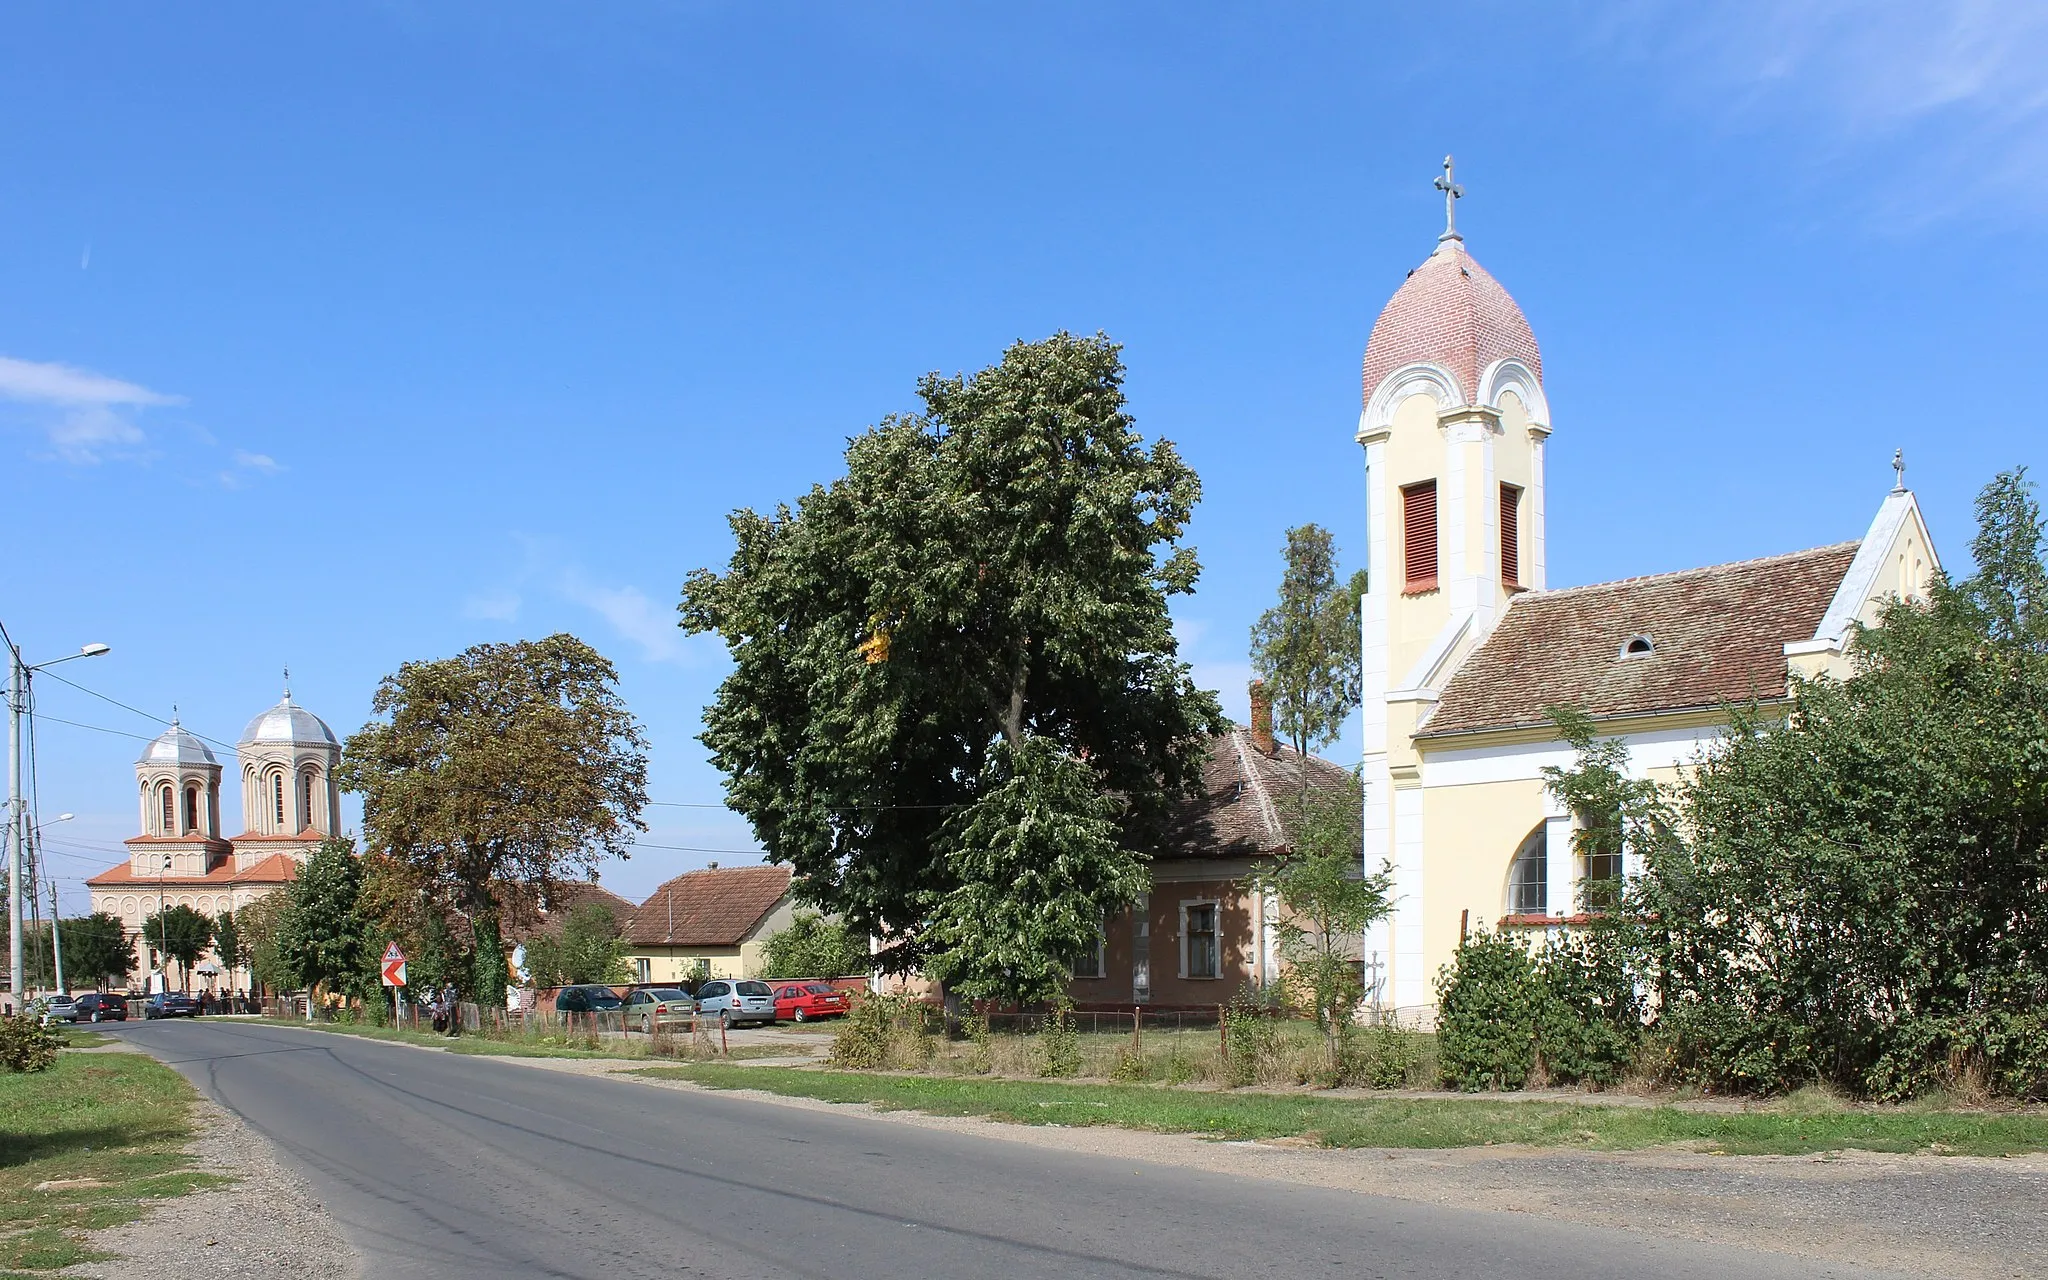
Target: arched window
x,y
306,798
170,812
277,801
1638,646
191,808
1529,876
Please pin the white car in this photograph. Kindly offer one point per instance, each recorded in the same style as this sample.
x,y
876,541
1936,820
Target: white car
x,y
58,1009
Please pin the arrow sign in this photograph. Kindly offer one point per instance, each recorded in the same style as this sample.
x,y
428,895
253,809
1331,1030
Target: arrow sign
x,y
394,966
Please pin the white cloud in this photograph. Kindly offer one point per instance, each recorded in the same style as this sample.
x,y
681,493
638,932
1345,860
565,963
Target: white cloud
x,y
492,606
258,462
91,429
632,615
1931,107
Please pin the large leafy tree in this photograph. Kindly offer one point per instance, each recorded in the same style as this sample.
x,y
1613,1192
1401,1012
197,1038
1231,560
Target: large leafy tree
x,y
508,765
179,932
1856,893
993,570
586,948
320,937
1306,646
258,925
813,947
97,949
227,942
1037,866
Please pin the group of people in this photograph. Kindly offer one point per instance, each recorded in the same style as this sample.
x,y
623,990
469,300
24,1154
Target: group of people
x,y
227,1002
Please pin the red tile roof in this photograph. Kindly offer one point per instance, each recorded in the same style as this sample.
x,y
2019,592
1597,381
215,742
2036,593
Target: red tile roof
x,y
716,907
1242,811
1717,636
1449,312
522,918
278,868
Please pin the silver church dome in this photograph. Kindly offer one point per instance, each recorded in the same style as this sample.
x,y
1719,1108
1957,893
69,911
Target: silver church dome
x,y
176,746
290,723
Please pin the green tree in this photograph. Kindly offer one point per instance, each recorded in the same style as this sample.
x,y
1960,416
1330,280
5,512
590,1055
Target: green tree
x,y
587,948
1852,892
509,764
227,943
1327,904
258,925
180,933
1037,867
320,936
993,570
814,947
97,950
1305,647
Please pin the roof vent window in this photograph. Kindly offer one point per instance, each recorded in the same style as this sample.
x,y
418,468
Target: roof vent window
x,y
1638,646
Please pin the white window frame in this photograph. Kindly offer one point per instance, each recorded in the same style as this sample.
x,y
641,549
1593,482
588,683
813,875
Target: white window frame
x,y
1215,906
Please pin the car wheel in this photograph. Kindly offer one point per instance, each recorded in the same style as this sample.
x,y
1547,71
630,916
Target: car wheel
x,y
798,1015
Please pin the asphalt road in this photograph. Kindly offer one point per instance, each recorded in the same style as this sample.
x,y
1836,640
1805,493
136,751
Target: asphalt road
x,y
447,1166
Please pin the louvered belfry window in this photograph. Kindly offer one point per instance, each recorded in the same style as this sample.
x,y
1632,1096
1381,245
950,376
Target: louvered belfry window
x,y
1510,536
1418,536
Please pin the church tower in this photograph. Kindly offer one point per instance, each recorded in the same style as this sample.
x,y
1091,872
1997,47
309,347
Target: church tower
x,y
1453,426
179,781
290,800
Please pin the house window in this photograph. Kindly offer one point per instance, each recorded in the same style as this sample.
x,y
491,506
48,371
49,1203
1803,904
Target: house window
x,y
642,969
170,812
191,808
1418,536
1638,646
1529,877
1510,537
1198,940
1599,840
1089,964
277,801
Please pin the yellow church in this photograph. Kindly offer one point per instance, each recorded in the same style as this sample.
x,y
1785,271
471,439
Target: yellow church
x,y
1466,643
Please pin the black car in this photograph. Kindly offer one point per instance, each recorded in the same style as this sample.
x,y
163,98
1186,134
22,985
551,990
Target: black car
x,y
100,1006
587,999
170,1004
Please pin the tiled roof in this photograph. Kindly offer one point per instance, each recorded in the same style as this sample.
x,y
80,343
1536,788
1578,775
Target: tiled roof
x,y
278,868
1717,636
1449,312
1242,810
715,907
522,917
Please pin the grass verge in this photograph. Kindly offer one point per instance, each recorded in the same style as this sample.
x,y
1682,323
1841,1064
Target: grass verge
x,y
120,1120
1398,1122
528,1047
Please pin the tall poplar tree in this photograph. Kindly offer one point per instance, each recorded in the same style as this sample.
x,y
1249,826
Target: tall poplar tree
x,y
1306,646
992,571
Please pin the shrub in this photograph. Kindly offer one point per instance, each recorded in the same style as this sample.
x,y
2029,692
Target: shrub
x,y
1130,1065
1728,1049
982,1058
1059,1043
1383,1056
862,1041
1589,1026
1488,1001
1250,1037
26,1044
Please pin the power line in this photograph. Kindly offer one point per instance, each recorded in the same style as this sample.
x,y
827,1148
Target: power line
x,y
146,715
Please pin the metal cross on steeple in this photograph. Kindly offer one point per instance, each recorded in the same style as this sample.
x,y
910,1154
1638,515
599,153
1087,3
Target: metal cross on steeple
x,y
1448,184
1899,467
287,684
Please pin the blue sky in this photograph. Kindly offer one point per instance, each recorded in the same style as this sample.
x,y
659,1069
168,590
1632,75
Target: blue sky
x,y
339,336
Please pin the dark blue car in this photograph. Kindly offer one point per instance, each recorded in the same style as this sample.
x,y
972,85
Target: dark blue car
x,y
170,1004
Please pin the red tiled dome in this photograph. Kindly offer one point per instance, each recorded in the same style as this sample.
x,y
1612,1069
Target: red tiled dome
x,y
1451,313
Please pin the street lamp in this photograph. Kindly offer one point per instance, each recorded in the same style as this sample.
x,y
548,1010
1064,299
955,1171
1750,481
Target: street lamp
x,y
18,673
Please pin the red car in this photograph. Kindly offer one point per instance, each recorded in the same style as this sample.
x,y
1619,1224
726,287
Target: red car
x,y
802,1001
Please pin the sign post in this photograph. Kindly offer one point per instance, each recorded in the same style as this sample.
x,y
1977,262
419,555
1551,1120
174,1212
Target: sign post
x,y
394,976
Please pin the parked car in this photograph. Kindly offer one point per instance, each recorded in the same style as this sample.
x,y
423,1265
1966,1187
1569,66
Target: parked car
x,y
803,1001
589,998
737,1002
170,1004
100,1006
59,1008
651,1007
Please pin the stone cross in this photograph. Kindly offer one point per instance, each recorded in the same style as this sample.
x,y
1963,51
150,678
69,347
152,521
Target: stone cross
x,y
1448,184
1899,468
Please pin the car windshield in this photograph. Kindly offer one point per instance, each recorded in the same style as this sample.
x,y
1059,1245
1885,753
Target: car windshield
x,y
753,988
819,988
666,994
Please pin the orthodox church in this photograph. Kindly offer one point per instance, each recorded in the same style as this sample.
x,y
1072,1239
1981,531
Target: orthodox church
x,y
290,803
1466,643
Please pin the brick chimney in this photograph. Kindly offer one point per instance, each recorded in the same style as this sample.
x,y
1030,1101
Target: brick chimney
x,y
1262,719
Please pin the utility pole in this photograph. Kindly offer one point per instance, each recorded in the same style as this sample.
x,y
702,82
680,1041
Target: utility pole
x,y
18,673
56,936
